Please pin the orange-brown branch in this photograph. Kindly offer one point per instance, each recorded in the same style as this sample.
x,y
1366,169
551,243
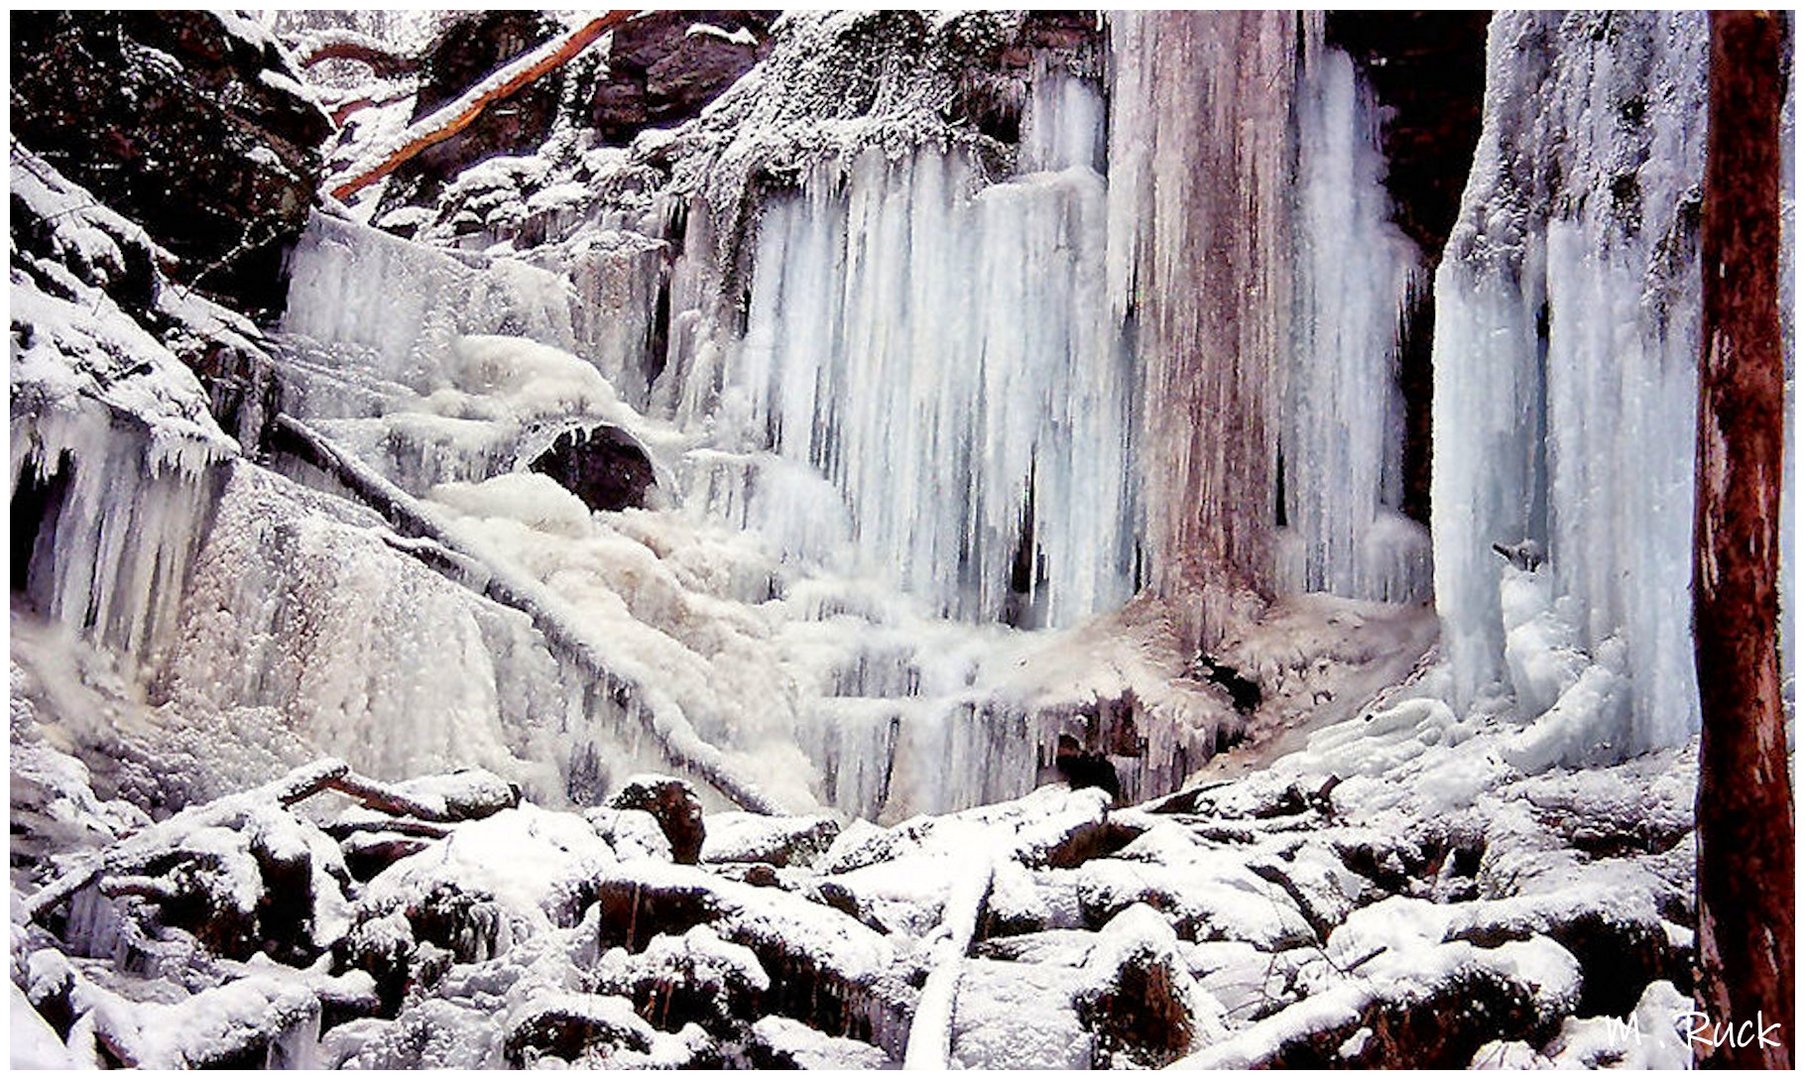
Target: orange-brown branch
x,y
461,114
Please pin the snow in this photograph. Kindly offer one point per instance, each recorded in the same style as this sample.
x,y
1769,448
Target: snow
x,y
741,36
35,1044
975,403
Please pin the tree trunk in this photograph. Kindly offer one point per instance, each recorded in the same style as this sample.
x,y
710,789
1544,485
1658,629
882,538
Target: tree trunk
x,y
1745,815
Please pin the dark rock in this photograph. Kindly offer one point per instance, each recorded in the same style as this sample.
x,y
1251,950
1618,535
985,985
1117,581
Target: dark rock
x,y
167,117
1136,1005
570,1025
603,466
659,74
737,837
1083,770
693,979
1410,1021
1244,692
673,803
825,969
370,853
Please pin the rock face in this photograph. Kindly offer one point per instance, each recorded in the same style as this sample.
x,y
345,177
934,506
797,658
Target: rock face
x,y
189,123
663,69
1427,69
463,53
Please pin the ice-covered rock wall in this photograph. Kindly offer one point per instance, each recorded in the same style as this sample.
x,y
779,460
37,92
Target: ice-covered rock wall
x,y
1566,345
113,465
1198,268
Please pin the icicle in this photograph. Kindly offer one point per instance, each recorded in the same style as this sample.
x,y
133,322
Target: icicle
x,y
945,361
1342,428
1199,271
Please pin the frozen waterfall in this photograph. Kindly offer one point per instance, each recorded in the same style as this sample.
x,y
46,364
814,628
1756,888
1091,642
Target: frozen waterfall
x,y
941,352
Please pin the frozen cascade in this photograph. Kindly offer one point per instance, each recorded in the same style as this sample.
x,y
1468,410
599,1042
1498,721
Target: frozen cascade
x,y
990,472
1342,430
115,517
1566,345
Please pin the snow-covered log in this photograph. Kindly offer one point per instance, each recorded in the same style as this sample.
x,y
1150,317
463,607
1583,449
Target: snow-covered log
x,y
460,114
678,739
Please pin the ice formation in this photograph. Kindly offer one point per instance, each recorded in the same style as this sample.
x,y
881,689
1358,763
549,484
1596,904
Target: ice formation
x,y
1566,345
1262,283
992,472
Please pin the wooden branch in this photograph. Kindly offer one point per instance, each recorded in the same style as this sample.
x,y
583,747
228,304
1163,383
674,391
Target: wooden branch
x,y
389,800
460,114
133,851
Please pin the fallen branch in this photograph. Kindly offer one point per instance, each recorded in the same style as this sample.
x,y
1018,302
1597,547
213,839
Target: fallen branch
x,y
460,114
676,737
380,796
133,852
931,1031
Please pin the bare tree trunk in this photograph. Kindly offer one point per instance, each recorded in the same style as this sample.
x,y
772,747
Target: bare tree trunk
x,y
1745,814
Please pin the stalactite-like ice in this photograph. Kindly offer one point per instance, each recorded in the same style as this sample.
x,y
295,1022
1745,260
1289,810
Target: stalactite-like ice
x,y
1566,345
113,451
943,355
1253,260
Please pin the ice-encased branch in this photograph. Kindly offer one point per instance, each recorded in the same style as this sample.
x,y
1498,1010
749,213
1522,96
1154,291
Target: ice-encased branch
x,y
663,718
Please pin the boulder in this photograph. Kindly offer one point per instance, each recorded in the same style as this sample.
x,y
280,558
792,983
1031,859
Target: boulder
x,y
674,805
603,466
663,68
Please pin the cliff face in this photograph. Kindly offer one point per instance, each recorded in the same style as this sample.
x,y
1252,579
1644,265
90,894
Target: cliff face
x,y
190,123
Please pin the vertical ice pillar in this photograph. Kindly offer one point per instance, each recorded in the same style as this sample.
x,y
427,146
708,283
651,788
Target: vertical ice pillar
x,y
1566,344
1341,431
1200,269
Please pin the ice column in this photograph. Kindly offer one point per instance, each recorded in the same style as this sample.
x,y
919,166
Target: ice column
x,y
1341,430
1199,271
1566,343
